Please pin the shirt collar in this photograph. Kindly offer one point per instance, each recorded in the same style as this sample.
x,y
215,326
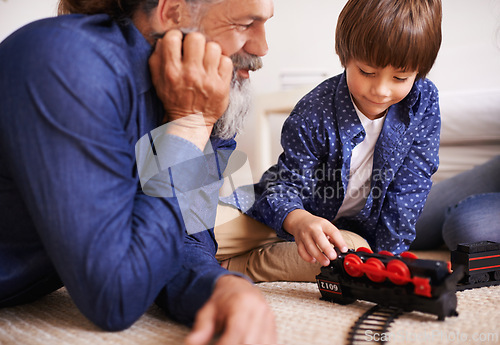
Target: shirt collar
x,y
414,94
139,52
348,121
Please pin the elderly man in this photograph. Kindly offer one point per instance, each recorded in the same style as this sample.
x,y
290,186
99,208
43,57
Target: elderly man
x,y
77,95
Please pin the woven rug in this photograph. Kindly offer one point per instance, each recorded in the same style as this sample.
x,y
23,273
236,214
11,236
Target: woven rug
x,y
302,318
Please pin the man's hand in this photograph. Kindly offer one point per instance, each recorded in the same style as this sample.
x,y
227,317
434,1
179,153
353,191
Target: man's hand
x,y
237,310
192,78
314,236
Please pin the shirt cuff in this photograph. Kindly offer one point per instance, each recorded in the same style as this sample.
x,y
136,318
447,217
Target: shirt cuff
x,y
166,161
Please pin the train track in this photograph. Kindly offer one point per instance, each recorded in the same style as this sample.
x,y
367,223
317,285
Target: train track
x,y
374,321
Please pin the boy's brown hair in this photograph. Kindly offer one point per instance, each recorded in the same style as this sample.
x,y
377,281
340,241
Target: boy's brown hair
x,y
405,34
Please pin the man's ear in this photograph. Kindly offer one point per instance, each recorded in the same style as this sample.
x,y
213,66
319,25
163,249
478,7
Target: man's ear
x,y
170,13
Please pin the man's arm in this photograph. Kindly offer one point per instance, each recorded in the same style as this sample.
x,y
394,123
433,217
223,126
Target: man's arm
x,y
72,162
214,300
229,304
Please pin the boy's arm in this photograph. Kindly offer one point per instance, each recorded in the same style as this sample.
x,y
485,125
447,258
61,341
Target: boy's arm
x,y
288,186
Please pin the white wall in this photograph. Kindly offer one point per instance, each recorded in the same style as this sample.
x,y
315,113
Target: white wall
x,y
16,13
301,39
470,53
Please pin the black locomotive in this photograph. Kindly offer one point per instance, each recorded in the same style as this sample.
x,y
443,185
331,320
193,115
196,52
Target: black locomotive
x,y
481,261
402,281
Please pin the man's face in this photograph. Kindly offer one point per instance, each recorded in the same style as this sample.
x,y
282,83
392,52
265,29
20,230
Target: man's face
x,y
238,27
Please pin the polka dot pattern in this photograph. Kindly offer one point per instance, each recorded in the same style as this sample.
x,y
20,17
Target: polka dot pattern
x,y
313,171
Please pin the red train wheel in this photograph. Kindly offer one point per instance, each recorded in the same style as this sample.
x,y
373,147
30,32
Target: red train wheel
x,y
385,252
375,265
364,250
400,274
352,265
408,255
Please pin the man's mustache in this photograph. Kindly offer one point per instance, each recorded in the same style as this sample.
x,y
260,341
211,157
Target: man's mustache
x,y
246,61
240,61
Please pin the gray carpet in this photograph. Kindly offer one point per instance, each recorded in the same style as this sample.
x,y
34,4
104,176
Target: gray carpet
x,y
302,318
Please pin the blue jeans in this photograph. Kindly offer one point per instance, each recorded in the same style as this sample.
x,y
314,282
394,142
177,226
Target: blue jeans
x,y
464,208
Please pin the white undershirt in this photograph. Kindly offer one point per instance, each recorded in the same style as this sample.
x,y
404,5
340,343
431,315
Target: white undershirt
x,y
358,187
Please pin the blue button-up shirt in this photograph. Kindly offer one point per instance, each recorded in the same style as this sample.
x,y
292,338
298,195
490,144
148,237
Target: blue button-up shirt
x,y
76,98
312,173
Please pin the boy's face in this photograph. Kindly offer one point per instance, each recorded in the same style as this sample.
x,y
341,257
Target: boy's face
x,y
375,89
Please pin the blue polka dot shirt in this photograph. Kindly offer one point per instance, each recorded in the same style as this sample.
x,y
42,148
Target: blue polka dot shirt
x,y
312,173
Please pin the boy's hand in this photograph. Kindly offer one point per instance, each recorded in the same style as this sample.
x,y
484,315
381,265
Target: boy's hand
x,y
314,236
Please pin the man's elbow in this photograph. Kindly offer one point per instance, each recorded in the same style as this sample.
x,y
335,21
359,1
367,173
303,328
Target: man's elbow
x,y
113,322
112,316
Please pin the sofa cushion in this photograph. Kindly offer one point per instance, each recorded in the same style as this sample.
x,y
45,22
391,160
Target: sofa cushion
x,y
470,131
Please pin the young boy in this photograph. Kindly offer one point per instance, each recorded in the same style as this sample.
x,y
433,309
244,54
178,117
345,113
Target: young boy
x,y
359,150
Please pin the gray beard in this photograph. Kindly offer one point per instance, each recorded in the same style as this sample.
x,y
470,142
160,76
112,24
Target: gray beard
x,y
231,122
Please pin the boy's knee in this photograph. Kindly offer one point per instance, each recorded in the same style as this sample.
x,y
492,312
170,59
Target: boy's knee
x,y
353,240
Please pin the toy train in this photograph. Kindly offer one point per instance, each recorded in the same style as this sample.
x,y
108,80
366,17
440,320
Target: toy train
x,y
481,262
402,281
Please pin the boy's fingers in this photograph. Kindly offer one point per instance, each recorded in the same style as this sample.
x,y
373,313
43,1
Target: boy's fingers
x,y
304,254
313,250
324,244
335,237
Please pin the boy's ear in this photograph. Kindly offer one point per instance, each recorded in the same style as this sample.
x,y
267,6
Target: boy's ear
x,y
170,13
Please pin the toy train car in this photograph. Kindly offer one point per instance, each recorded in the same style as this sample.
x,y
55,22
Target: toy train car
x,y
481,261
403,281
